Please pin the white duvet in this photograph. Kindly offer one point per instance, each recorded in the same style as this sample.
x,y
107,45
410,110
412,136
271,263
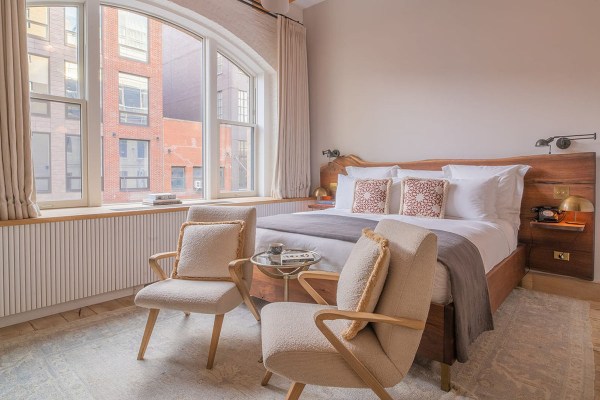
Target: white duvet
x,y
495,240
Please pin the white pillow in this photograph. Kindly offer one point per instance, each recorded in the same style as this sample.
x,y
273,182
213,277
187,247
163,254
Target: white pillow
x,y
510,186
472,198
372,172
420,173
344,194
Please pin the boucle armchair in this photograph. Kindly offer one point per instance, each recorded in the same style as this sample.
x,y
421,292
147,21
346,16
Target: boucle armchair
x,y
216,292
305,342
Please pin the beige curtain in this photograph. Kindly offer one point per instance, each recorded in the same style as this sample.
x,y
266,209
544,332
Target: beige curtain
x,y
17,192
292,169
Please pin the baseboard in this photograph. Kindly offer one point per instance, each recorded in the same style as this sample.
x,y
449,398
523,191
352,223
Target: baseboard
x,y
562,285
63,307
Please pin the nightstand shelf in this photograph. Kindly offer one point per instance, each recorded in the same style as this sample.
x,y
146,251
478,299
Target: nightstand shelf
x,y
558,226
320,206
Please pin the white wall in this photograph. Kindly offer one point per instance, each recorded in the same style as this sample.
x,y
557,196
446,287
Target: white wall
x,y
415,79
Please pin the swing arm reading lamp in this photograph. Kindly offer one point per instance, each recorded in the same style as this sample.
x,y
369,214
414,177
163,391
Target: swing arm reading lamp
x,y
563,141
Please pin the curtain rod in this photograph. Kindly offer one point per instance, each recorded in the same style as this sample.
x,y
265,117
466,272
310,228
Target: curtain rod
x,y
257,6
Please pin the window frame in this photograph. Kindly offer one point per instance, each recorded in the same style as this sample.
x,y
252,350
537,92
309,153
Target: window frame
x,y
81,101
28,21
132,112
148,45
215,38
67,177
252,118
184,188
49,178
147,176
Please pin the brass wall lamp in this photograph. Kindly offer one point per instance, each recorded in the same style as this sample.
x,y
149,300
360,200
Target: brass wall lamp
x,y
563,141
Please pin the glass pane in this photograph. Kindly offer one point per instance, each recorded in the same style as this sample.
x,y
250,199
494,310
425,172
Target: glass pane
x,y
159,104
133,35
57,153
177,179
236,158
233,91
53,58
39,107
134,167
37,22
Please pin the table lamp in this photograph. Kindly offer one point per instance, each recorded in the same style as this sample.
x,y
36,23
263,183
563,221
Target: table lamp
x,y
576,204
320,192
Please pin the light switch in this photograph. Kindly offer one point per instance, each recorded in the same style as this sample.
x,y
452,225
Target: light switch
x,y
561,255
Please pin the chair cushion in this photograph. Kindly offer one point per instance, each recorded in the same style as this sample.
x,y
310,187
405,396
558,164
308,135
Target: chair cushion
x,y
362,278
371,196
295,348
205,297
205,249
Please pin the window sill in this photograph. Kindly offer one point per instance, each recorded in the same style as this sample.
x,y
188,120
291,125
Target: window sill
x,y
123,210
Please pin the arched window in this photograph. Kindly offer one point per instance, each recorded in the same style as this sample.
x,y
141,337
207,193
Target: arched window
x,y
173,111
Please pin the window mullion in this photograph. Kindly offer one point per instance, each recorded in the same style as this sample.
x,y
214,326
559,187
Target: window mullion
x,y
211,137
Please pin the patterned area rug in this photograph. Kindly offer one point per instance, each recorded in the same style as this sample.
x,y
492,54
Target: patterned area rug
x,y
541,349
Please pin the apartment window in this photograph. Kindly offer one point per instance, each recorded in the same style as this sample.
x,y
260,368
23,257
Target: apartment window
x,y
37,22
134,165
198,179
56,107
133,36
236,129
40,108
133,99
242,106
71,80
39,74
71,26
40,146
178,179
219,64
73,163
220,104
140,56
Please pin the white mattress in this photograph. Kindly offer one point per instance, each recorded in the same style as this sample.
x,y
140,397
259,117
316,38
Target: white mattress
x,y
495,240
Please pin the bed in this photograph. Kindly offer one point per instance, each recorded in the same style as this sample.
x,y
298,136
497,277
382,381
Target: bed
x,y
503,249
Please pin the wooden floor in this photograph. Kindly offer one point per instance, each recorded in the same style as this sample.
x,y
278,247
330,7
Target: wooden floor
x,y
64,318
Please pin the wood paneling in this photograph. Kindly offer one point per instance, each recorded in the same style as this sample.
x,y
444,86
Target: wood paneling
x,y
504,277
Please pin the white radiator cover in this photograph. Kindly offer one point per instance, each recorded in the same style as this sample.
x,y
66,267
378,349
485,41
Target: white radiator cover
x,y
46,264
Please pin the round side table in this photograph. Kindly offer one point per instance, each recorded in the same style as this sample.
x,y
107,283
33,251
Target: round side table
x,y
285,266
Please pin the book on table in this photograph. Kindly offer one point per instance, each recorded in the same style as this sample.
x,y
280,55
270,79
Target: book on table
x,y
293,258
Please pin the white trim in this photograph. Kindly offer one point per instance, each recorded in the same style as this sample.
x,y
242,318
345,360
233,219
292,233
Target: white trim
x,y
215,38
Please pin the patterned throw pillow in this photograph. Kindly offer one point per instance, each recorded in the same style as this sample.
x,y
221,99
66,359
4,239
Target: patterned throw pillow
x,y
371,196
423,197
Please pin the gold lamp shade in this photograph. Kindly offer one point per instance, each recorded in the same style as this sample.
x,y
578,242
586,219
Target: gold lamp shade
x,y
576,204
320,192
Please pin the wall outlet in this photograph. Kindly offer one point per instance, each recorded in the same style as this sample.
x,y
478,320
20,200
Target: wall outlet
x,y
561,192
561,255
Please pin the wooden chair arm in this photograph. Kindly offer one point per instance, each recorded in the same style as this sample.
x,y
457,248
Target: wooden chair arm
x,y
361,370
153,261
235,270
330,315
323,275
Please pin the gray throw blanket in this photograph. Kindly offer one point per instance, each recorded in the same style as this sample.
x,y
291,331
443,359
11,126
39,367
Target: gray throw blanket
x,y
473,313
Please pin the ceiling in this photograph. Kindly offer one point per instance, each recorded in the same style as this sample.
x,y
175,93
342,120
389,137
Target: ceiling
x,y
306,3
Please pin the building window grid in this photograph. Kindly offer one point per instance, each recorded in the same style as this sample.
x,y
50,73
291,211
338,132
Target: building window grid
x,y
178,179
73,163
133,35
42,164
243,112
220,104
134,172
243,109
71,26
37,21
133,99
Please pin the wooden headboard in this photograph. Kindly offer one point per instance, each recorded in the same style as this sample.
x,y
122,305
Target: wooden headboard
x,y
575,170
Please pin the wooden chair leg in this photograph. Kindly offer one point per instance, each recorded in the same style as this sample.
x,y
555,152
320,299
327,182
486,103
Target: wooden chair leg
x,y
295,391
148,332
445,375
214,341
187,314
266,378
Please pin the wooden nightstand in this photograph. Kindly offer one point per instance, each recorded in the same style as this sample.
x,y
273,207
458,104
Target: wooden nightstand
x,y
320,206
562,248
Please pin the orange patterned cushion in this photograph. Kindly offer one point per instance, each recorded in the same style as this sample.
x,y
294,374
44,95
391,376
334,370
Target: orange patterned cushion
x,y
371,196
424,197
